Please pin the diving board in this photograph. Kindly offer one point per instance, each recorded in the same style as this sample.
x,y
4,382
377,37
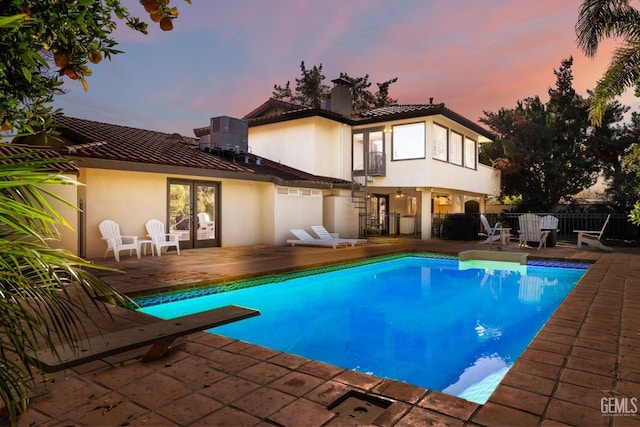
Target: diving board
x,y
159,335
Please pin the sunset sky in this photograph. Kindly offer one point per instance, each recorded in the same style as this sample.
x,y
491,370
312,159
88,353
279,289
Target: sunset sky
x,y
224,56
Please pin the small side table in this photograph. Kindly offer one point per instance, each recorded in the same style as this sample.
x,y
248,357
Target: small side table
x,y
505,237
142,244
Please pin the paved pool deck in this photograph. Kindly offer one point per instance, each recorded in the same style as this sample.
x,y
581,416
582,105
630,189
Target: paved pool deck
x,y
587,354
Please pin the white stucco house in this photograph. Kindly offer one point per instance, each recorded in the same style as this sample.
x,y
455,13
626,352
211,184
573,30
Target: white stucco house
x,y
407,162
249,181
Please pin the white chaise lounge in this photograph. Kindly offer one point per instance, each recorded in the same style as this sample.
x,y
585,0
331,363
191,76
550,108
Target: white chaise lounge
x,y
306,239
323,234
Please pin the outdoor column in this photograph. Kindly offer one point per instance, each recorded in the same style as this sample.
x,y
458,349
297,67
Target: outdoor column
x,y
425,213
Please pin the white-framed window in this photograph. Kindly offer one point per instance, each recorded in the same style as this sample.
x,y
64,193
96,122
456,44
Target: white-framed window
x,y
440,139
470,153
409,141
455,148
304,192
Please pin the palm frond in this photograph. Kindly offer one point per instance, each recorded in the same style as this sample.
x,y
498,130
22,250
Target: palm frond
x,y
622,73
45,293
599,19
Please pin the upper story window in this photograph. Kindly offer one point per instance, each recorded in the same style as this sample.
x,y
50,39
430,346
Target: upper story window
x,y
470,153
440,142
409,141
455,148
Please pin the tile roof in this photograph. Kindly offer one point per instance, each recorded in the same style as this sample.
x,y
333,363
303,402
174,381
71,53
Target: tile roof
x,y
104,141
273,104
376,115
11,154
107,141
401,109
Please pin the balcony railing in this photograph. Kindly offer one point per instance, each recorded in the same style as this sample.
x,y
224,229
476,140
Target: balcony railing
x,y
376,166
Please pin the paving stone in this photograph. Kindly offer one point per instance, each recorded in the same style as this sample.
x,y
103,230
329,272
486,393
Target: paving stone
x,y
154,390
419,417
450,405
296,383
227,416
302,412
263,372
263,402
230,389
189,408
498,415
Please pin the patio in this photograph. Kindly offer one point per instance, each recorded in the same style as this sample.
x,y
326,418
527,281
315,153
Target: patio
x,y
586,352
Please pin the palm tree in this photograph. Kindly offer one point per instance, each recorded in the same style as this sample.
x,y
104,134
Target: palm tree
x,y
44,292
600,19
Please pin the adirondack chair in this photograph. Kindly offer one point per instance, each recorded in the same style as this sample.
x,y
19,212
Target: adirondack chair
x,y
160,239
489,231
531,230
116,242
592,238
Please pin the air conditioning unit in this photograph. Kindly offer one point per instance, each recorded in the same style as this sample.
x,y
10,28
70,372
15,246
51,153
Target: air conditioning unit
x,y
229,133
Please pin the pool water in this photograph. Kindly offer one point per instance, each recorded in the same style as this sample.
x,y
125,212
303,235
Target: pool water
x,y
442,324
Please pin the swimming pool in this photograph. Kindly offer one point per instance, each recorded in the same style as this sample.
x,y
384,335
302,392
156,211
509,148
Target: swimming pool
x,y
438,323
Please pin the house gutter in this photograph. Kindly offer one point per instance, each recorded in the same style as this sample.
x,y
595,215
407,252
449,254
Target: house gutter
x,y
91,163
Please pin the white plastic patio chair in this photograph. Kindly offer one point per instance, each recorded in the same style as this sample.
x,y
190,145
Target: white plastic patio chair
x,y
159,238
592,238
116,242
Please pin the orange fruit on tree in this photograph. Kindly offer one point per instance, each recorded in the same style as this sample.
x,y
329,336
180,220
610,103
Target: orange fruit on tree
x,y
155,17
166,24
151,6
70,73
95,57
61,59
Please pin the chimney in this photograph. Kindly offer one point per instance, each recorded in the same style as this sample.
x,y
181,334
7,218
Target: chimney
x,y
430,101
340,99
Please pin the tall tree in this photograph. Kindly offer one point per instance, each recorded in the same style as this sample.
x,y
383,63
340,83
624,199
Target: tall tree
x,y
546,150
309,88
310,91
624,173
600,19
363,98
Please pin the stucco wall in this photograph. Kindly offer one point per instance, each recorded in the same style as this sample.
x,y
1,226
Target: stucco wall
x,y
251,212
340,214
132,198
245,212
295,211
314,145
129,198
68,239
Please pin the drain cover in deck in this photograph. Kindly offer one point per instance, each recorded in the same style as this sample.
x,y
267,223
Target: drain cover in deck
x,y
359,407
